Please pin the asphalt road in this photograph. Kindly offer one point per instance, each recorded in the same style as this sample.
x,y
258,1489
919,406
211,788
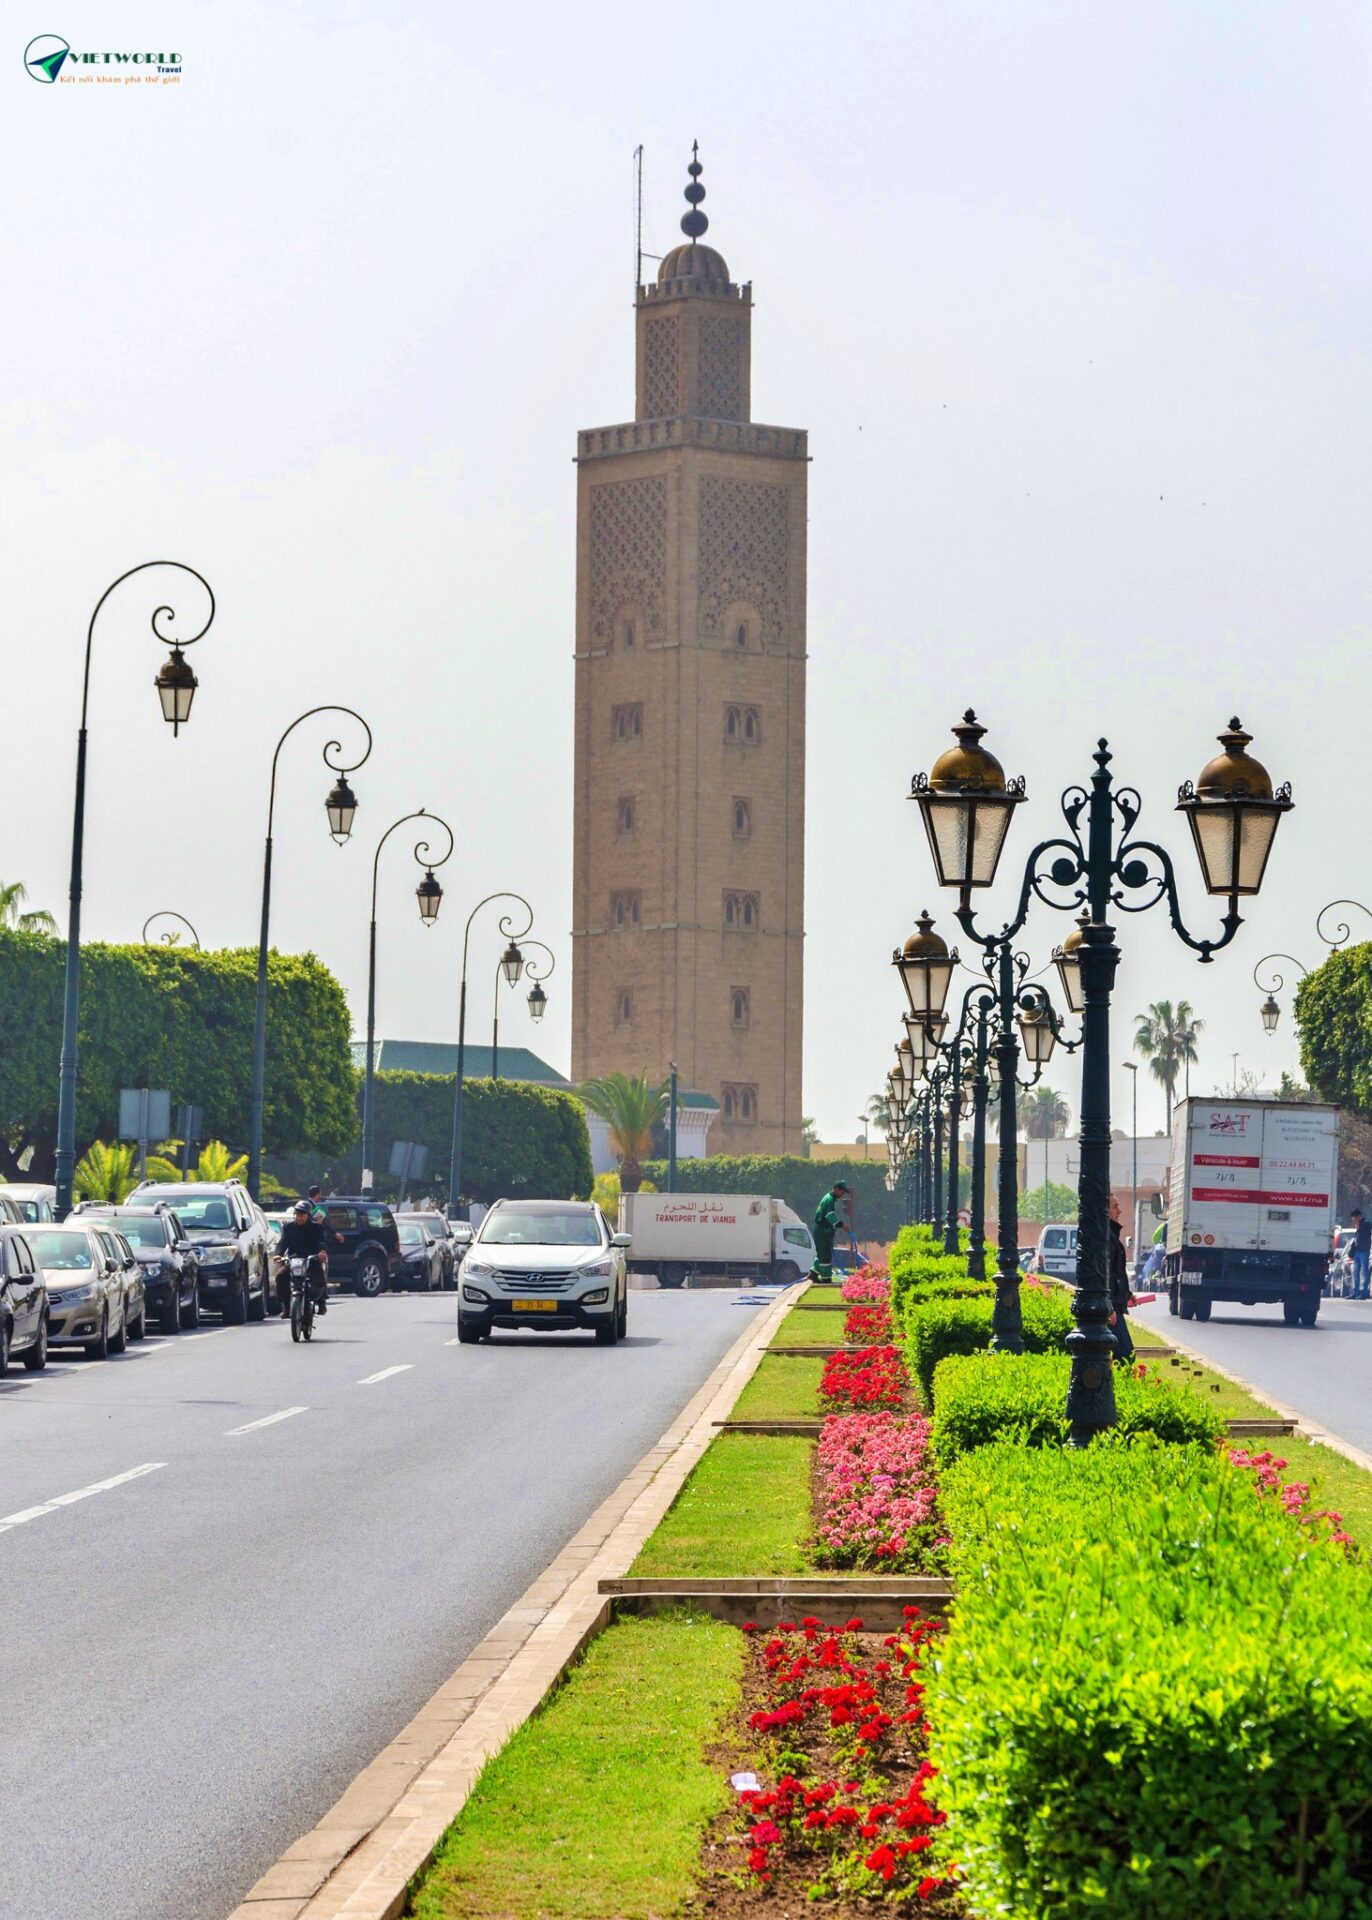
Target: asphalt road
x,y
233,1569
1322,1371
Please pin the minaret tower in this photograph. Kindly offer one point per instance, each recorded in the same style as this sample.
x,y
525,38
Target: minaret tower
x,y
688,865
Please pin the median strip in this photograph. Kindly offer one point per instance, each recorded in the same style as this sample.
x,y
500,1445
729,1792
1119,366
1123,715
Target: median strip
x,y
269,1420
26,1514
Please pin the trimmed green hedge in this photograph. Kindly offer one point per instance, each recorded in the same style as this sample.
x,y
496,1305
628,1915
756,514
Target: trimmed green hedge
x,y
1155,1698
936,1329
981,1398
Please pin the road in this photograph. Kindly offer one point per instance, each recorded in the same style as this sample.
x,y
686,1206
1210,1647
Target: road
x,y
233,1569
1321,1371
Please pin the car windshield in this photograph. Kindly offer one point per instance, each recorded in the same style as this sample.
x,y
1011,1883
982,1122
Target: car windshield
x,y
411,1233
62,1250
514,1227
26,1209
1055,1239
149,1232
200,1212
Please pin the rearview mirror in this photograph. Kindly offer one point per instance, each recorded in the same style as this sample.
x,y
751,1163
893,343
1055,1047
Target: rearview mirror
x,y
462,1232
621,1239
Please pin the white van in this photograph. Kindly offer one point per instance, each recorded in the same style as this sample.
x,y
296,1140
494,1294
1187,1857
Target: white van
x,y
1058,1252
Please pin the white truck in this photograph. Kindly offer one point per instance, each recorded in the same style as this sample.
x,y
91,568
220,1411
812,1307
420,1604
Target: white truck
x,y
727,1236
1250,1214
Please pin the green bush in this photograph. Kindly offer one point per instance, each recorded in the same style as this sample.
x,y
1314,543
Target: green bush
x,y
936,1329
876,1214
962,1288
981,1398
1155,1699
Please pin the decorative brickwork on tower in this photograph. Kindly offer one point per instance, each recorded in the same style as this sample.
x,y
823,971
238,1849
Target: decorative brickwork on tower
x,y
690,719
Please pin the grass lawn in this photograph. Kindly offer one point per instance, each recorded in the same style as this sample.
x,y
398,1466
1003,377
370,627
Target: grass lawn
x,y
745,1509
782,1389
811,1329
598,1804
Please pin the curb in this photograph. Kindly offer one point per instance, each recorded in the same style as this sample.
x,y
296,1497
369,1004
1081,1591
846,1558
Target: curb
x,y
1305,1427
358,1863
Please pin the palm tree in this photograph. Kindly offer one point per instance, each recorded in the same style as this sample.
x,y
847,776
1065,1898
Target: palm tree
x,y
12,897
1166,1037
216,1162
109,1171
877,1113
1043,1113
631,1108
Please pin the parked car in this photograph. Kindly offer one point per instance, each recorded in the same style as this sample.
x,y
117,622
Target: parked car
x,y
363,1244
85,1286
275,1222
550,1264
1057,1252
421,1256
231,1239
23,1303
36,1202
441,1227
166,1258
119,1252
10,1214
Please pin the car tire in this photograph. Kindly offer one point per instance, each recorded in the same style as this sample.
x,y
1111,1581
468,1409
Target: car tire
x,y
1187,1308
1309,1315
169,1313
236,1305
469,1335
622,1315
99,1348
190,1314
787,1272
4,1348
37,1356
1200,1310
1172,1303
257,1308
139,1328
671,1276
607,1335
371,1277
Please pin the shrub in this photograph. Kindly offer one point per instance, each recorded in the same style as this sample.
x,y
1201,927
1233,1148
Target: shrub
x,y
1003,1396
936,1329
1154,1701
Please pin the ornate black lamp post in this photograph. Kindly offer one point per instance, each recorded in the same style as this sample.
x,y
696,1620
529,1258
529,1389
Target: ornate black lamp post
x,y
534,970
340,807
1270,1009
512,962
170,937
1233,813
176,684
429,895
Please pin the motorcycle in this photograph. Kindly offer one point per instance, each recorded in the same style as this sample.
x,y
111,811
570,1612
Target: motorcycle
x,y
302,1298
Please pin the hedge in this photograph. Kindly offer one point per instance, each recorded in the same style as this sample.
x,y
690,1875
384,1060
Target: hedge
x,y
177,1018
981,1398
1155,1698
876,1214
936,1329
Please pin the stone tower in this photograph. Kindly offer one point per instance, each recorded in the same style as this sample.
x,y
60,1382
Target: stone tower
x,y
688,866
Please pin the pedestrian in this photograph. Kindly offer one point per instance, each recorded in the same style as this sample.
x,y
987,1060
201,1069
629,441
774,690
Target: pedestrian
x,y
828,1219
1119,1287
1362,1247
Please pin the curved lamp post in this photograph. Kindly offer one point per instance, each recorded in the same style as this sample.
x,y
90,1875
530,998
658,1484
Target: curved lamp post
x,y
538,1000
429,895
340,807
1270,1009
1233,812
170,938
512,960
176,684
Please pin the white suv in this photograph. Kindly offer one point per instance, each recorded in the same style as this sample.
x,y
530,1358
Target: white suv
x,y
550,1264
1058,1252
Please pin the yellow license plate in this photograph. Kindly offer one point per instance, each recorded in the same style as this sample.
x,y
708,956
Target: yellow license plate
x,y
534,1306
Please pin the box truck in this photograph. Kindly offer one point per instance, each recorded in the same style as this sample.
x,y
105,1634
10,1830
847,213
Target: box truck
x,y
727,1236
1250,1212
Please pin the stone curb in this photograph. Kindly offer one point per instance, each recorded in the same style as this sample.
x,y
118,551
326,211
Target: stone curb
x,y
1306,1428
360,1861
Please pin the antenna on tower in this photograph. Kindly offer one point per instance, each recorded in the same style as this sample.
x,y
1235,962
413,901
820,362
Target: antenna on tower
x,y
639,255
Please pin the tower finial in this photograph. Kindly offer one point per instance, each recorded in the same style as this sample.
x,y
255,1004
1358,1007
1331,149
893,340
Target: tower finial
x,y
693,221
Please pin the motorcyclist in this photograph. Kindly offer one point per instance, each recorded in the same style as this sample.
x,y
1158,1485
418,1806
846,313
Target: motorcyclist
x,y
302,1237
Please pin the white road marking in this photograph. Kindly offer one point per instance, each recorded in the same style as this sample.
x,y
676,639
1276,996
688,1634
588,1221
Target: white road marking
x,y
452,1343
9,1520
385,1374
271,1419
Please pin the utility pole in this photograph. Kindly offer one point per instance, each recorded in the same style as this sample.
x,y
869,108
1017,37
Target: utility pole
x,y
671,1132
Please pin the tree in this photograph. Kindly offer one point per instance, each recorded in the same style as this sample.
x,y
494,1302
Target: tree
x,y
629,1106
1042,1113
605,1193
1048,1202
809,1132
877,1113
109,1171
12,897
1334,1021
216,1161
1166,1037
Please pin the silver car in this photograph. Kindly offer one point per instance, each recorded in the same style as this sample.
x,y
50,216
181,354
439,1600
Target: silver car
x,y
549,1264
86,1289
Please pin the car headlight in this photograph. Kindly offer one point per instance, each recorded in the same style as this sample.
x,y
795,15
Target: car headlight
x,y
596,1297
600,1271
217,1256
476,1269
476,1296
70,1295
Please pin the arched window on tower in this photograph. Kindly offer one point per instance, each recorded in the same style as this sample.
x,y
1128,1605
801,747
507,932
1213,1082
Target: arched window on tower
x,y
626,815
741,635
624,1007
739,1007
742,818
752,725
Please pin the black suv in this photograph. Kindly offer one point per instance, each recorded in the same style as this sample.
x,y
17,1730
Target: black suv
x,y
363,1244
231,1239
167,1257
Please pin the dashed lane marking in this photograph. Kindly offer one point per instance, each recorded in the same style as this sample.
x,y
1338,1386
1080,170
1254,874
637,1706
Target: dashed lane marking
x,y
270,1420
385,1374
9,1520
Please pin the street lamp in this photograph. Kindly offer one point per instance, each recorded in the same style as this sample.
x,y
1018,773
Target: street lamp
x,y
171,937
532,971
340,807
175,690
1270,1010
967,804
1067,960
538,1002
429,895
512,964
1234,811
925,967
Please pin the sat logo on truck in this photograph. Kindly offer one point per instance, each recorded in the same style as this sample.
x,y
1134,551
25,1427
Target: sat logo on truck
x,y
1229,1123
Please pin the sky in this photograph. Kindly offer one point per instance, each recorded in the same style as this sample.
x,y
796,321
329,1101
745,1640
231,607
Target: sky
x,y
1073,301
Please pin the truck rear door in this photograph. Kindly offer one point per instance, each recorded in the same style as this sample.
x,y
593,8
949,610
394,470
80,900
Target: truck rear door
x,y
1223,1175
1299,1162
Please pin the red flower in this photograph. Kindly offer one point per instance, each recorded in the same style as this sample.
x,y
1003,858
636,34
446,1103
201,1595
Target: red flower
x,y
882,1861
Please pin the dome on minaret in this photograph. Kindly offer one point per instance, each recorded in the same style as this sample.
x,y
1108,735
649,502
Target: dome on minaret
x,y
693,262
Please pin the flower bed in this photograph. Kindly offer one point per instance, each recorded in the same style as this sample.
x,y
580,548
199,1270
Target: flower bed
x,y
839,1812
869,1325
875,1503
867,1377
868,1283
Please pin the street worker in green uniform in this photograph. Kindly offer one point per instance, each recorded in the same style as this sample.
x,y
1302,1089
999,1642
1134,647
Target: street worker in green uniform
x,y
828,1220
